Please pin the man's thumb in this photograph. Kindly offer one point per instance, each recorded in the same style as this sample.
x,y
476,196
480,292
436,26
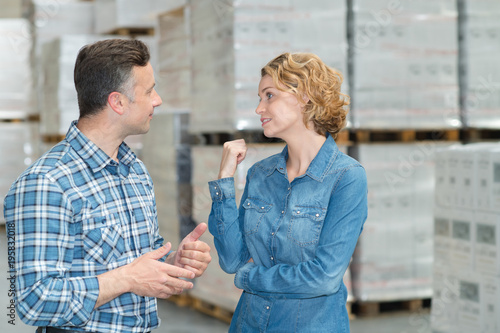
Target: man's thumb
x,y
160,252
197,232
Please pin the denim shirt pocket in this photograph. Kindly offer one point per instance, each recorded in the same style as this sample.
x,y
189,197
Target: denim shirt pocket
x,y
306,224
255,210
102,239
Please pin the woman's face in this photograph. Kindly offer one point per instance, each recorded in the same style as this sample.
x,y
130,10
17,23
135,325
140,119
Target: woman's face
x,y
281,114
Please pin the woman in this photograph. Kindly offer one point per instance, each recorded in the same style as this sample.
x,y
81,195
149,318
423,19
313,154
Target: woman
x,y
301,212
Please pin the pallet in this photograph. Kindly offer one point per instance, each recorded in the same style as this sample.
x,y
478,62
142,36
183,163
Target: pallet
x,y
182,300
370,309
27,118
212,310
476,134
403,135
133,32
53,138
250,137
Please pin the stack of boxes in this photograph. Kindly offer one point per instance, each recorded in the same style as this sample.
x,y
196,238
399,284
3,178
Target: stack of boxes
x,y
18,134
405,64
393,258
481,46
466,291
233,40
112,15
173,72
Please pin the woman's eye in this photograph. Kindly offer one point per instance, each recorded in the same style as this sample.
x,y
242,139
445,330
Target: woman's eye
x,y
269,95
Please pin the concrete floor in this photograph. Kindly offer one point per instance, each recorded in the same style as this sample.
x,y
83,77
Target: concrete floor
x,y
183,320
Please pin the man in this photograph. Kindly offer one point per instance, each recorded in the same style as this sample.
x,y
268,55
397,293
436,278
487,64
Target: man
x,y
88,254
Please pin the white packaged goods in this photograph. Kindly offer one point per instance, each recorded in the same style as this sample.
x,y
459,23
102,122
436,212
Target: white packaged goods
x,y
467,240
18,148
163,152
215,285
60,105
238,38
116,14
174,66
11,9
15,80
481,44
50,19
393,257
405,65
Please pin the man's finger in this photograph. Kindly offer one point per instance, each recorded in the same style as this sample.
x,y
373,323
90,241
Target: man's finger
x,y
159,253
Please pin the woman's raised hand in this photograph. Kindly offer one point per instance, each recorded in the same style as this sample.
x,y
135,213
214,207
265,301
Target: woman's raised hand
x,y
234,153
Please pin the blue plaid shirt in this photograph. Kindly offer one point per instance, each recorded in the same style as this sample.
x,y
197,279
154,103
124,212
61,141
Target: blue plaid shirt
x,y
78,214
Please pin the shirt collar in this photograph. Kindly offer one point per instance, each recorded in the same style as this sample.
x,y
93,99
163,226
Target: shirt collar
x,y
94,156
319,166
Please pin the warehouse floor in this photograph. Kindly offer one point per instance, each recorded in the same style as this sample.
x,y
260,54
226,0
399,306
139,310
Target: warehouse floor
x,y
180,319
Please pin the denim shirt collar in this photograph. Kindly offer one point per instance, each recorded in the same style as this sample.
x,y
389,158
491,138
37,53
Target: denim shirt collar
x,y
94,156
319,166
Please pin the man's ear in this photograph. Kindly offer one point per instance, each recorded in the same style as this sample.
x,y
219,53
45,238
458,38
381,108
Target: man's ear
x,y
117,101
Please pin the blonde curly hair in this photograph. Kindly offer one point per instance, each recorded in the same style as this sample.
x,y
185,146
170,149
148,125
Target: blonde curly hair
x,y
305,75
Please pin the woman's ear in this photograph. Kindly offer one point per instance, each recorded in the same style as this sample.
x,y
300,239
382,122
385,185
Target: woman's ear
x,y
116,102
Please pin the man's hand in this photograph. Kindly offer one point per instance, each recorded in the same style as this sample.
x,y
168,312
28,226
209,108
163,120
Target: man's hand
x,y
193,254
145,276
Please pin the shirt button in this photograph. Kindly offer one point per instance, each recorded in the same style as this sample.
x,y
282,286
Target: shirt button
x,y
267,307
216,193
272,258
282,212
272,233
298,212
261,207
248,203
317,215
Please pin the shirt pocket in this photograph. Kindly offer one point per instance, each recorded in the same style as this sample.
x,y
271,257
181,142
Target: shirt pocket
x,y
255,210
102,239
306,224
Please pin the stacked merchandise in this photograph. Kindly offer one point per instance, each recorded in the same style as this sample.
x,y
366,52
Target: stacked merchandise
x,y
49,20
112,15
60,104
18,148
174,66
481,47
167,157
393,257
466,292
15,80
12,8
216,286
404,64
233,40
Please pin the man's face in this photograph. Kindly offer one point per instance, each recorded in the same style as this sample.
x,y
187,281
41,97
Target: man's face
x,y
145,98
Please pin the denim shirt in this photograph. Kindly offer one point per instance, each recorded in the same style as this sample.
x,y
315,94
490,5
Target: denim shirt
x,y
300,235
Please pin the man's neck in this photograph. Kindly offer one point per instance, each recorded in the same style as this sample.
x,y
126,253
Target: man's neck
x,y
102,134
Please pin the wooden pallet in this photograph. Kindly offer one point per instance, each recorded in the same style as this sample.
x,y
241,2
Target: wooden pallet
x,y
53,138
212,310
250,137
476,134
369,309
133,32
403,135
27,118
181,300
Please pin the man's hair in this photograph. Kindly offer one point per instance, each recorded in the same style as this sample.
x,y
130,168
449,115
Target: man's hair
x,y
105,67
